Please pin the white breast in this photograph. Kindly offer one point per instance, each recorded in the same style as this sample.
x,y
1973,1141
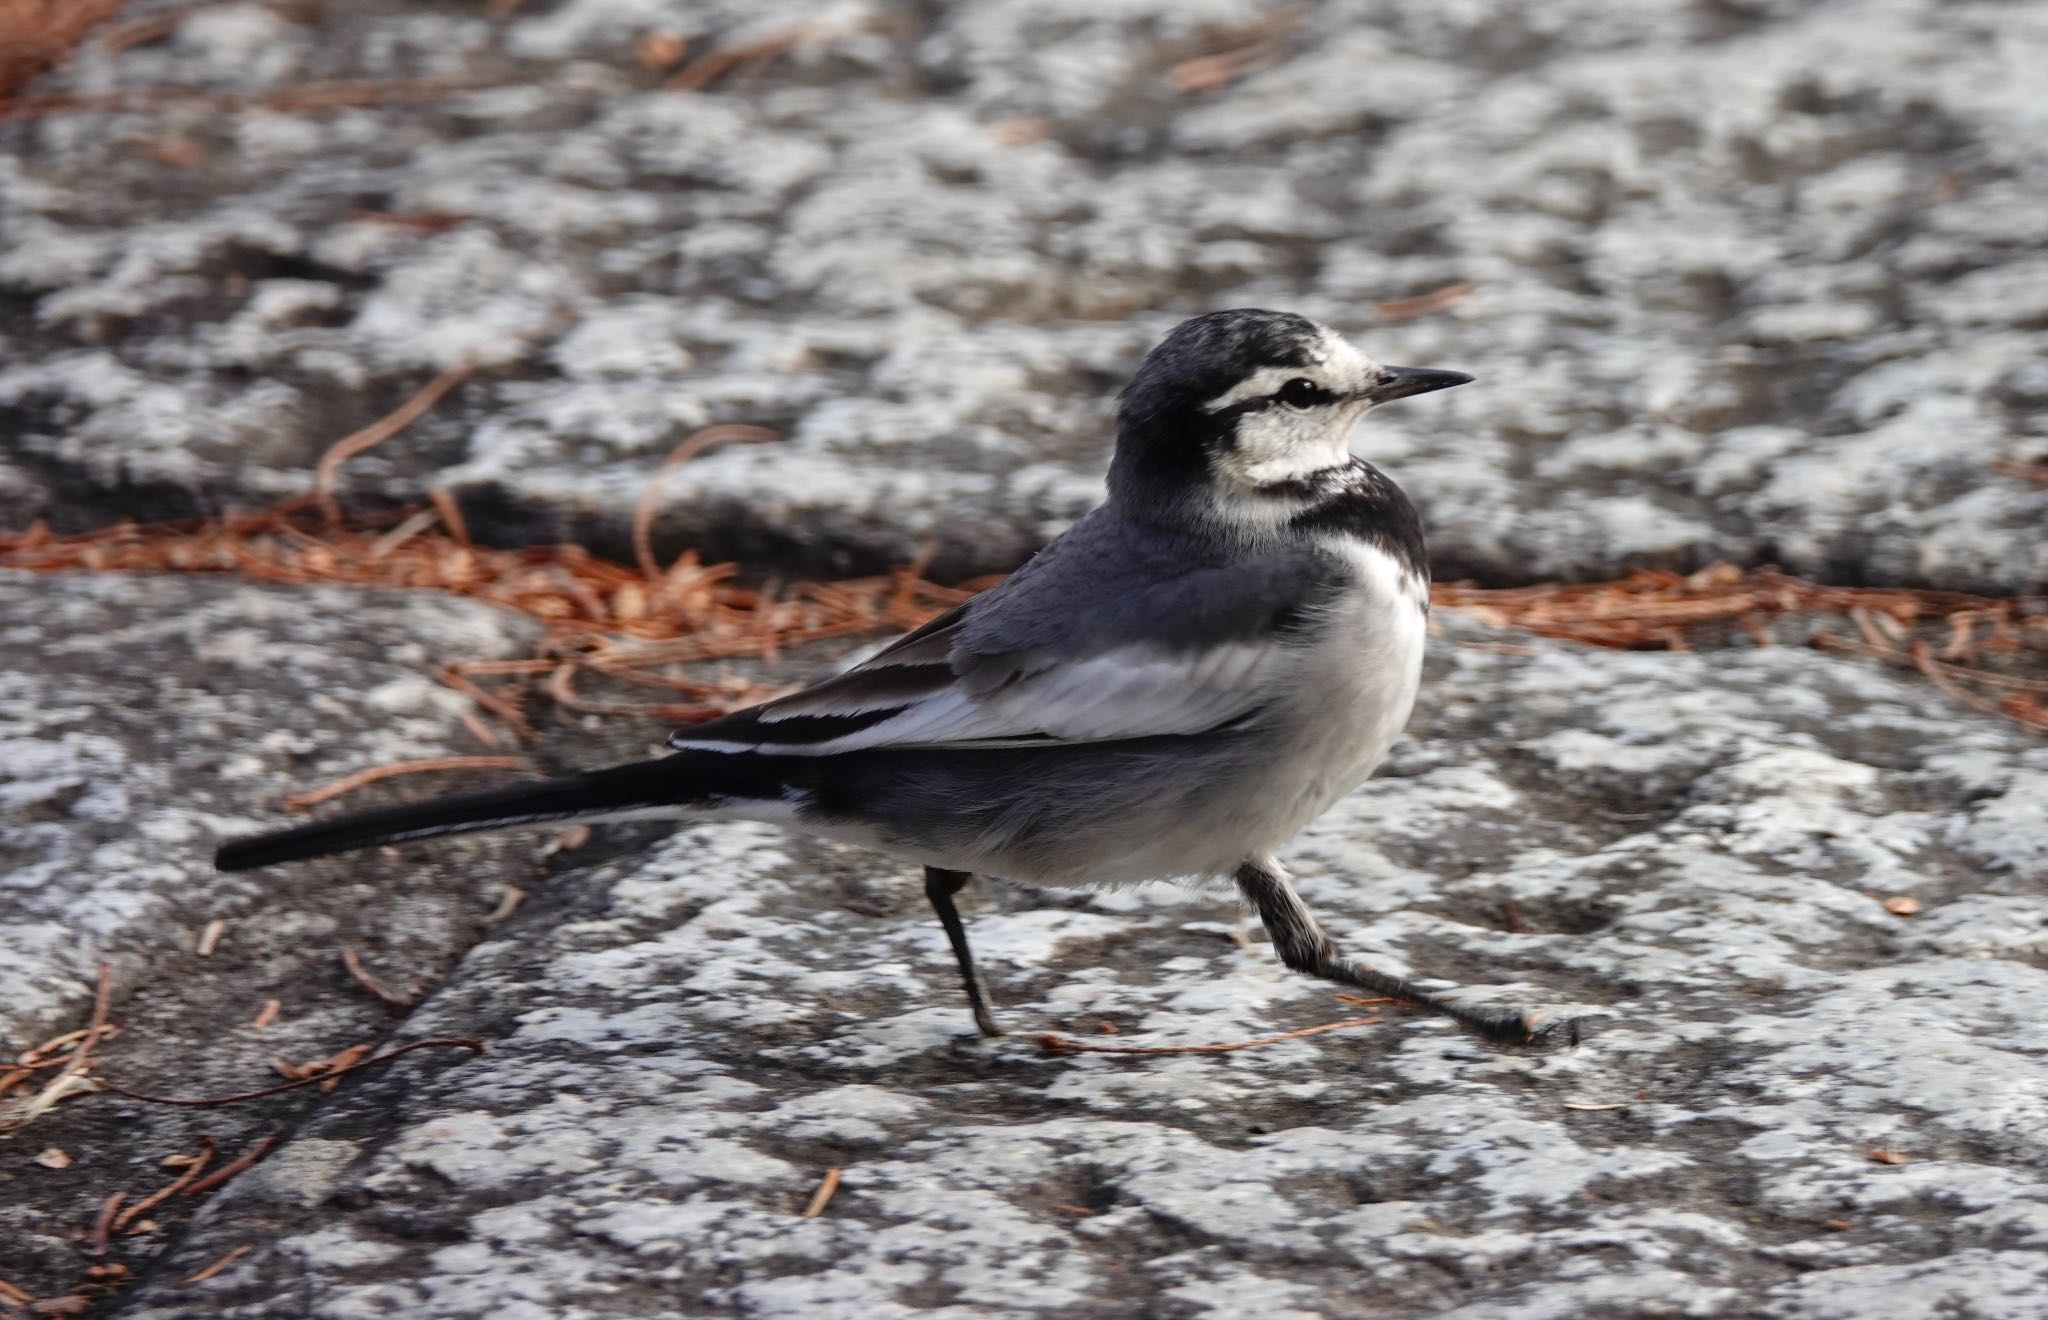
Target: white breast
x,y
1357,686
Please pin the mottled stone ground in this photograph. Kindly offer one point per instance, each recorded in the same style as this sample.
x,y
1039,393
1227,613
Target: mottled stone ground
x,y
1695,849
1756,281
1753,281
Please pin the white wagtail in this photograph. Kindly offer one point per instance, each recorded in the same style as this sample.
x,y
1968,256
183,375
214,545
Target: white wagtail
x,y
1171,690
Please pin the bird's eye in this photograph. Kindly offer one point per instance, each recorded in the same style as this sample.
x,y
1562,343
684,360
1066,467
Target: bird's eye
x,y
1301,392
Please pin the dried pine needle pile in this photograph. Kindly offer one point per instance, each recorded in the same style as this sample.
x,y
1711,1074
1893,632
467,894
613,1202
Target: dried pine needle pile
x,y
638,629
1989,653
635,629
643,626
38,35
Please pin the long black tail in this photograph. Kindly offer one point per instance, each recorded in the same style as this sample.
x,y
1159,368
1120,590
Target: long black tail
x,y
669,784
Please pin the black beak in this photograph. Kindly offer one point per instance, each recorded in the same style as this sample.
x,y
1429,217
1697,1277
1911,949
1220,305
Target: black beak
x,y
1400,382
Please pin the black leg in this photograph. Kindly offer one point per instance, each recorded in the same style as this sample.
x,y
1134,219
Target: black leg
x,y
1302,945
939,887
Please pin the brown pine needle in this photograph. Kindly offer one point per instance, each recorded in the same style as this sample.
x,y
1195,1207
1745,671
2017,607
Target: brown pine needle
x,y
376,433
508,903
1243,50
822,1195
141,31
419,521
1923,660
1054,1043
2024,471
229,1171
268,1014
478,729
167,1191
104,1223
203,1275
301,801
70,1079
1422,304
335,94
38,35
456,677
699,74
331,1070
451,514
710,437
362,977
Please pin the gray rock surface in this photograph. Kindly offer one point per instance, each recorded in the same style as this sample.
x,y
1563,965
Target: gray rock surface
x,y
1694,847
1755,280
1752,280
141,718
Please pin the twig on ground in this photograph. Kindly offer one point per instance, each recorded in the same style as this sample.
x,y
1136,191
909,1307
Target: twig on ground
x,y
822,1195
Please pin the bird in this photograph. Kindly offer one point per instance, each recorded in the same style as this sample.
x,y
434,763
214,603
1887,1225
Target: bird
x,y
1169,690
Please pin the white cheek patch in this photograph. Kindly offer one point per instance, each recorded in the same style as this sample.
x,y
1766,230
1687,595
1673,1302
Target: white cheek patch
x,y
1280,444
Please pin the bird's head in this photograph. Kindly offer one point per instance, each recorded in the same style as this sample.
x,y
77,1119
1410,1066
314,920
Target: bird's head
x,y
1248,406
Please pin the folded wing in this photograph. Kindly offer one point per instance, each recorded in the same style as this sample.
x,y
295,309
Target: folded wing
x,y
1061,654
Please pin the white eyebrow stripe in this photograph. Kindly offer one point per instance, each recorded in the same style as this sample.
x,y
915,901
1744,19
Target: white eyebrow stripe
x,y
1264,381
